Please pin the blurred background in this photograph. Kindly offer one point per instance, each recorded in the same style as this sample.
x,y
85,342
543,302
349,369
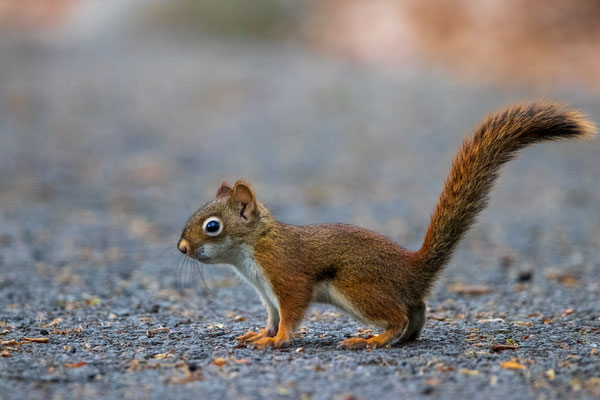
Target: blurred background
x,y
119,118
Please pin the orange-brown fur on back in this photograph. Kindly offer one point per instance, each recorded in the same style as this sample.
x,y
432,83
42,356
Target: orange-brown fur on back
x,y
365,274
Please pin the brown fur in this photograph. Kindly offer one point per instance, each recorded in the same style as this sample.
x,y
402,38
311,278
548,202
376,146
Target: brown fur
x,y
366,274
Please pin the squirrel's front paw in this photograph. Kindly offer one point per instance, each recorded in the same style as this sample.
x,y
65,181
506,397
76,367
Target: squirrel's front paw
x,y
251,335
266,342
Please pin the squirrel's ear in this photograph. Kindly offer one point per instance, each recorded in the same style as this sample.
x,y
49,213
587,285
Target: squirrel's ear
x,y
243,200
224,191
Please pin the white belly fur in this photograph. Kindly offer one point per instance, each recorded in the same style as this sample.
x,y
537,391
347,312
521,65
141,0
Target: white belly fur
x,y
326,293
247,268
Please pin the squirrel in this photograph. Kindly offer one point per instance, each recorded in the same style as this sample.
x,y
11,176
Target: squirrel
x,y
363,273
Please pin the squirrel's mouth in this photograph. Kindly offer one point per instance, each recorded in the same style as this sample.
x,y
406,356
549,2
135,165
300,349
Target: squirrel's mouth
x,y
203,258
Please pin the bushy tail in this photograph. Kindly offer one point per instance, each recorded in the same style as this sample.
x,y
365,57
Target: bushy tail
x,y
476,167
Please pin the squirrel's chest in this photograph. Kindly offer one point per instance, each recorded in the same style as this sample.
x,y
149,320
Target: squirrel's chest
x,y
248,269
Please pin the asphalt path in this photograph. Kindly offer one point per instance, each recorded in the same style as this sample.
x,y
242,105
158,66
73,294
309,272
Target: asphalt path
x,y
107,146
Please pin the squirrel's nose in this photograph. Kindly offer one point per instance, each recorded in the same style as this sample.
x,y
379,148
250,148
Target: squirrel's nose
x,y
184,246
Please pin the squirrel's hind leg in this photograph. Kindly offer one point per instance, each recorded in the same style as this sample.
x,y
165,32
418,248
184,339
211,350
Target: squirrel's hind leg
x,y
416,321
410,331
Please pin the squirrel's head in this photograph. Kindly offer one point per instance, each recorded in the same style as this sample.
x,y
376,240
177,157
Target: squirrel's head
x,y
217,232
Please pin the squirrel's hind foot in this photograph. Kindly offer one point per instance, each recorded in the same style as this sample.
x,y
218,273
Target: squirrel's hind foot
x,y
375,342
354,344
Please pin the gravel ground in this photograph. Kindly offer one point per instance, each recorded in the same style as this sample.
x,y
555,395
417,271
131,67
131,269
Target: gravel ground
x,y
107,146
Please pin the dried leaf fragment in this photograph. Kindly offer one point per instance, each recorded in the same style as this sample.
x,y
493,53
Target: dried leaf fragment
x,y
512,365
191,375
5,353
75,365
594,381
522,323
497,348
140,365
219,362
550,374
443,368
468,371
54,322
365,333
563,278
93,301
490,320
475,290
235,316
432,381
37,340
437,316
162,356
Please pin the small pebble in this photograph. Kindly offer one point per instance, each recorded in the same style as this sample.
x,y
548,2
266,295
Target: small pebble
x,y
428,390
525,276
506,262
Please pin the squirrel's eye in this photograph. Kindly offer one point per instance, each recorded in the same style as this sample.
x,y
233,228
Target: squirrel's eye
x,y
212,226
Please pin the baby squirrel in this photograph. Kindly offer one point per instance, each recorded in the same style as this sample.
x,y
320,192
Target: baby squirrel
x,y
363,273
